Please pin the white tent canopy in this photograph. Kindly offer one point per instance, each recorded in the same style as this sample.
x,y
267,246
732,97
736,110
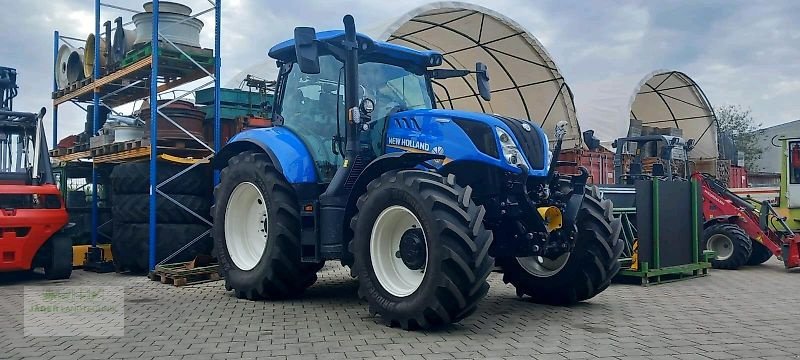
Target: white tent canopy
x,y
660,99
525,81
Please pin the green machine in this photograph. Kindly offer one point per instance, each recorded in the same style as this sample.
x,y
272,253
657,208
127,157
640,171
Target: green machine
x,y
661,225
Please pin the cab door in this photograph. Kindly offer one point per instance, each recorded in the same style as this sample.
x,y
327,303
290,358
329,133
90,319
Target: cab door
x,y
792,177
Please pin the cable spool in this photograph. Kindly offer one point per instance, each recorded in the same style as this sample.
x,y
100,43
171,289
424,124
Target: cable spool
x,y
88,55
62,57
174,22
75,66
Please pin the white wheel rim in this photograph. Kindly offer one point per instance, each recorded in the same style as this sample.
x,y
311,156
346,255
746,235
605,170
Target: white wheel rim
x,y
392,273
246,225
721,245
540,266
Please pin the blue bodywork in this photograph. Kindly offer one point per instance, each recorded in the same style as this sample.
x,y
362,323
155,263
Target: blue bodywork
x,y
379,51
437,133
288,153
434,130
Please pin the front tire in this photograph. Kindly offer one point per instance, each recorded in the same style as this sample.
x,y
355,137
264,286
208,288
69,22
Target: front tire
x,y
732,247
257,231
59,264
420,249
760,254
580,274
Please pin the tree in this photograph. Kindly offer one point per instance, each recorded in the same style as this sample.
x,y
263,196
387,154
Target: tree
x,y
739,124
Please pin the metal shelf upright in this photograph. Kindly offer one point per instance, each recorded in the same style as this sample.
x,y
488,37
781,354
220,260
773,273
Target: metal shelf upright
x,y
124,86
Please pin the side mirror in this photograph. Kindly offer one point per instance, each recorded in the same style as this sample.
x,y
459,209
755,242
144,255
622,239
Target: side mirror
x,y
591,141
561,129
483,81
305,49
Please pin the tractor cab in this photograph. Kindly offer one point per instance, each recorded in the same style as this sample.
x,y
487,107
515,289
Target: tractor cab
x,y
311,102
654,156
20,161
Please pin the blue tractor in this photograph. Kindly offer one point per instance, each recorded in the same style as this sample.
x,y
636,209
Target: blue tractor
x,y
420,203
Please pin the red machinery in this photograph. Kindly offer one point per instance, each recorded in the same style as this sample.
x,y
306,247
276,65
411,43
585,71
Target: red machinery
x,y
32,214
741,233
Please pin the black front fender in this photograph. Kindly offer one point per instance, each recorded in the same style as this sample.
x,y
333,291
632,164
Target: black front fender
x,y
388,162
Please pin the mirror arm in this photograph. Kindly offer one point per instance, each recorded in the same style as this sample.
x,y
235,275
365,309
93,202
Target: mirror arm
x,y
337,52
449,73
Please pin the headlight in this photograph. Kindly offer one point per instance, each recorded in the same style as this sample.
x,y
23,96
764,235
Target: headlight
x,y
510,151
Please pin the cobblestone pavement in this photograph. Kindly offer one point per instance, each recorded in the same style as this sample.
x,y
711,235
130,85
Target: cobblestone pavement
x,y
748,313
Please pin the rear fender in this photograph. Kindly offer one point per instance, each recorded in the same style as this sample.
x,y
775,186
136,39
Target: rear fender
x,y
286,150
725,219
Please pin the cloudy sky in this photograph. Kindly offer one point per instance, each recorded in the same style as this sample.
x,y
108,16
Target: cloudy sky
x,y
740,52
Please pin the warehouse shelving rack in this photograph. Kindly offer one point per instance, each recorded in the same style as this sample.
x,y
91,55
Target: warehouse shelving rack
x,y
137,81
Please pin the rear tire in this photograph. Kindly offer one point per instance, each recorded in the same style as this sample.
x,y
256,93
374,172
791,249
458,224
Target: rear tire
x,y
259,255
134,178
759,255
436,281
731,245
59,264
131,244
579,275
135,208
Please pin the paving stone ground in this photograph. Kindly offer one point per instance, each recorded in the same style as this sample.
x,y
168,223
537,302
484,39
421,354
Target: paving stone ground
x,y
751,313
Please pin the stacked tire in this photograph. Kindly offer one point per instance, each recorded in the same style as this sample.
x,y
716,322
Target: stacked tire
x,y
176,227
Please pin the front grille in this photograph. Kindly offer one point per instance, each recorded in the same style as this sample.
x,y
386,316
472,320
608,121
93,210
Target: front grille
x,y
530,141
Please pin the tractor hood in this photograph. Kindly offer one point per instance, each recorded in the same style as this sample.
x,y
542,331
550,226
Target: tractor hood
x,y
468,136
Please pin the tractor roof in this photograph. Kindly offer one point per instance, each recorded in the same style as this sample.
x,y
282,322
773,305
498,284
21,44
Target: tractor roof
x,y
377,51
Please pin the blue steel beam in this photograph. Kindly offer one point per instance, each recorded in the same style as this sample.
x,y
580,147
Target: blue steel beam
x,y
95,115
217,66
153,137
55,88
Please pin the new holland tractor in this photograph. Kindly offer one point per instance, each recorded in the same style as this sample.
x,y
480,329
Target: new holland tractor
x,y
419,202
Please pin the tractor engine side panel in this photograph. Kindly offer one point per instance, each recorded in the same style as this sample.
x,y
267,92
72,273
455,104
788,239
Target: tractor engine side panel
x,y
441,135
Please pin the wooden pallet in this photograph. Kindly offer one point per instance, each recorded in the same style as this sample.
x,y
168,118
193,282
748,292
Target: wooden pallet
x,y
71,153
143,153
119,147
176,144
179,274
75,85
70,150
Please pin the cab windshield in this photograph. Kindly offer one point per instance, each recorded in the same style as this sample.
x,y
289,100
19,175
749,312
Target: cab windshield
x,y
16,151
310,103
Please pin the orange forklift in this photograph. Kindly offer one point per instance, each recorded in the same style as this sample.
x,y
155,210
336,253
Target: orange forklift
x,y
32,213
